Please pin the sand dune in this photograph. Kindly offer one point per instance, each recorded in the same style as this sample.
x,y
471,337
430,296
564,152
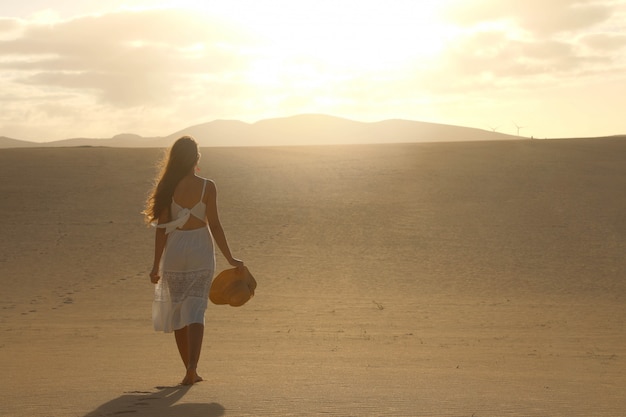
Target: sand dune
x,y
456,279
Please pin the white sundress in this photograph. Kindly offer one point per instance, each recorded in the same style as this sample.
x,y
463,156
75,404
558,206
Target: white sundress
x,y
187,268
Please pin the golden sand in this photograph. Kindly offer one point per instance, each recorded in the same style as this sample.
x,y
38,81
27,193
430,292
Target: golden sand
x,y
456,279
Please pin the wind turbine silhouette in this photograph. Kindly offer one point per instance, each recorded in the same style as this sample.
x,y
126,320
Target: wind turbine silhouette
x,y
493,129
518,127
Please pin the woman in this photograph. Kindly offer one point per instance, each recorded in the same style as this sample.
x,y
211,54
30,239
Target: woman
x,y
182,205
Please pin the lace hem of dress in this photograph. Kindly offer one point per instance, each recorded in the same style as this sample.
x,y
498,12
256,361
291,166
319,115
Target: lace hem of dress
x,y
176,286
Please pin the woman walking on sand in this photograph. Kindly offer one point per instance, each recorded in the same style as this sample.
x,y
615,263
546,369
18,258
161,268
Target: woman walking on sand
x,y
184,206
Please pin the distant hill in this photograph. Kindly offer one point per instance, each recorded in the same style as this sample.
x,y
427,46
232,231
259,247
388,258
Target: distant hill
x,y
315,129
15,143
306,129
125,140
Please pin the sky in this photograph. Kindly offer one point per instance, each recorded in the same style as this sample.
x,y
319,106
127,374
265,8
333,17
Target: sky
x,y
90,68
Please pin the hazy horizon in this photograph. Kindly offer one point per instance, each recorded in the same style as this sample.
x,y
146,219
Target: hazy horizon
x,y
304,129
151,68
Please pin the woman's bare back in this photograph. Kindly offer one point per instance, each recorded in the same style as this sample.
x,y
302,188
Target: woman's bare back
x,y
187,194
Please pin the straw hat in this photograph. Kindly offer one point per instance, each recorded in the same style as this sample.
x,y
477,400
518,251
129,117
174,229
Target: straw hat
x,y
232,286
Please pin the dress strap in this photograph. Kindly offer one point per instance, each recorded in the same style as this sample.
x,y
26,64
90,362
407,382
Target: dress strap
x,y
203,188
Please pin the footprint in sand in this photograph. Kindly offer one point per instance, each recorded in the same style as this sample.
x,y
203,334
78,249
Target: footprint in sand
x,y
28,312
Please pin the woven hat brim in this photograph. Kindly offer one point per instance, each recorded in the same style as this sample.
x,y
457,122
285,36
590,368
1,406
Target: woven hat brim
x,y
228,281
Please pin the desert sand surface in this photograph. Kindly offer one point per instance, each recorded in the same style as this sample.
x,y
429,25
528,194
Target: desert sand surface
x,y
429,279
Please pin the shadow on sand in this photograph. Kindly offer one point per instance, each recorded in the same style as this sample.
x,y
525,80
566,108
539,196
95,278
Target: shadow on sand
x,y
161,403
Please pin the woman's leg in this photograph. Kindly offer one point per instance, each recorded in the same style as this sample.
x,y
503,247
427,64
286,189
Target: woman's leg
x,y
195,334
182,342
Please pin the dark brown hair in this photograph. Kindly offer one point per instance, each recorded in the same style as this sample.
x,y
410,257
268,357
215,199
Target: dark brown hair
x,y
181,158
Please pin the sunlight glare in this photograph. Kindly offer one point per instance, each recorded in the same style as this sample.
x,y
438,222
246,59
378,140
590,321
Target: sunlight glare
x,y
311,55
339,35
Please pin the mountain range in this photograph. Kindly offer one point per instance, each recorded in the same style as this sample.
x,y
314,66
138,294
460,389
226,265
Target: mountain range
x,y
305,129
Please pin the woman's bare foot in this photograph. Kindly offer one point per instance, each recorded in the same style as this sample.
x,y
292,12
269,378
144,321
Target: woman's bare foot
x,y
191,377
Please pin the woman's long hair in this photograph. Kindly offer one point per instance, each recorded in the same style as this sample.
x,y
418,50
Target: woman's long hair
x,y
179,161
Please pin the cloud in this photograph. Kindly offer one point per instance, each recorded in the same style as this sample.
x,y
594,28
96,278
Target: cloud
x,y
125,58
522,44
608,42
539,17
8,25
502,57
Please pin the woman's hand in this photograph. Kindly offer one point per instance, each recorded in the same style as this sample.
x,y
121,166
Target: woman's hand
x,y
154,275
236,262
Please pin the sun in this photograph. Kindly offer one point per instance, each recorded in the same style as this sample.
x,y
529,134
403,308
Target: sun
x,y
327,56
336,36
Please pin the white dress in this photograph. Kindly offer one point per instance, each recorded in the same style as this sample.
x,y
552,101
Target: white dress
x,y
187,268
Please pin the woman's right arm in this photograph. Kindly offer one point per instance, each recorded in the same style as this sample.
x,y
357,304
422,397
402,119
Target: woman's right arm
x,y
159,245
